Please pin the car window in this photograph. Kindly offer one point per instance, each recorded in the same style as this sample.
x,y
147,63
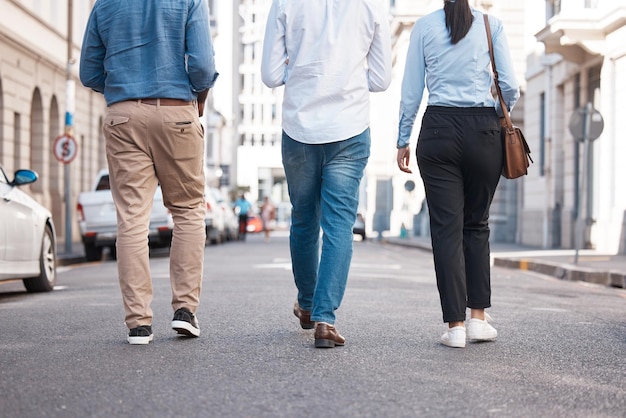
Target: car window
x,y
103,184
217,195
3,177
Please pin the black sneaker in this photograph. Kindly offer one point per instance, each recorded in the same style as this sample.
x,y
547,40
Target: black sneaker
x,y
185,323
140,335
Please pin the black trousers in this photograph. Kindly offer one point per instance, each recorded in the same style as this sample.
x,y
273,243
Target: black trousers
x,y
459,154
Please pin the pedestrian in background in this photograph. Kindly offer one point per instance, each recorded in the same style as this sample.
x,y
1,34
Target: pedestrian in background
x,y
153,61
459,153
268,217
329,54
242,208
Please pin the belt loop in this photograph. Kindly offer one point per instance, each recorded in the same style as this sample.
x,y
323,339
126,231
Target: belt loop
x,y
158,105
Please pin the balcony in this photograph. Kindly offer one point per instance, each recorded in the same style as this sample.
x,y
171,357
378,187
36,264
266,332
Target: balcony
x,y
578,34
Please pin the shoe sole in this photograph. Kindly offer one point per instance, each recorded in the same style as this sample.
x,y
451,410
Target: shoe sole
x,y
327,344
185,328
453,344
140,340
482,338
304,325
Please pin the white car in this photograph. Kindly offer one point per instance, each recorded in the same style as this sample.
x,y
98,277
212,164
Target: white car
x,y
27,235
214,218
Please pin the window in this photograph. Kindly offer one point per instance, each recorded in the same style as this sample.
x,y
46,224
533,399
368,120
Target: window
x,y
17,138
553,8
593,84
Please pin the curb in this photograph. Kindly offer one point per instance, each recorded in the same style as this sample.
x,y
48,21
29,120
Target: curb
x,y
565,271
559,270
67,260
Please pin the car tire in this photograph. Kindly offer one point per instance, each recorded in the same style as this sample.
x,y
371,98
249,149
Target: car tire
x,y
47,265
113,252
92,252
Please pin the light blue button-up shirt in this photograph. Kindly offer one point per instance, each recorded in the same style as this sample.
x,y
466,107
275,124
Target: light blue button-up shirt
x,y
148,49
338,51
455,75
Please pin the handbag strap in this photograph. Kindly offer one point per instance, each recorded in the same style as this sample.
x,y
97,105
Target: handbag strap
x,y
505,109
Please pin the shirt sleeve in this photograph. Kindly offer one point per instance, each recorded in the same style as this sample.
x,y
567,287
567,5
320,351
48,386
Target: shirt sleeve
x,y
504,65
200,53
379,56
413,84
91,64
273,60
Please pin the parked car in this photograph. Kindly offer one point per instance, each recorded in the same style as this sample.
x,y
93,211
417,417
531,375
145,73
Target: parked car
x,y
214,218
97,219
359,226
27,235
231,222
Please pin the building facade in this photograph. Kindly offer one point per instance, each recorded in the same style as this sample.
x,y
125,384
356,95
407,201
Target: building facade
x,y
572,197
570,56
39,43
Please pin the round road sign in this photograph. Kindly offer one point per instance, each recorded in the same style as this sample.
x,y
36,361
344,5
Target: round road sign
x,y
577,124
65,148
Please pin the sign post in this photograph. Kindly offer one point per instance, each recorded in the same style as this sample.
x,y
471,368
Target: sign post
x,y
586,125
65,145
65,150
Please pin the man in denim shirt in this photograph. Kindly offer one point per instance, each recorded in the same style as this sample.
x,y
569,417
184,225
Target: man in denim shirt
x,y
153,61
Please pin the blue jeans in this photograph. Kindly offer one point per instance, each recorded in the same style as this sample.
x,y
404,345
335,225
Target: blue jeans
x,y
323,182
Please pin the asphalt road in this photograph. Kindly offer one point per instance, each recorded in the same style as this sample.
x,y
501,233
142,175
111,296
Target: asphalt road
x,y
560,352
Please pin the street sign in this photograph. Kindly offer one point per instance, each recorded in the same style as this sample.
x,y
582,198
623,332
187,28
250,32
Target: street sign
x,y
65,148
578,120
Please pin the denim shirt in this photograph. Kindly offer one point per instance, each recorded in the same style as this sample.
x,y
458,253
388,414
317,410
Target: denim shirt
x,y
148,49
455,75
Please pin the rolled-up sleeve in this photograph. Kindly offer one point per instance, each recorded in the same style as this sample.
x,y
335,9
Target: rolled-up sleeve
x,y
200,53
273,60
413,84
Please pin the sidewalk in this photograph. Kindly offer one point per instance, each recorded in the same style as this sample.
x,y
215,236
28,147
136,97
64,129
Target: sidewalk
x,y
75,256
592,267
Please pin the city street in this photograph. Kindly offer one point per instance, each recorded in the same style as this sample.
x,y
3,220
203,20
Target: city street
x,y
560,351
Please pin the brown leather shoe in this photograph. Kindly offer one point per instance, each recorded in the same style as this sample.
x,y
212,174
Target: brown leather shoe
x,y
327,336
304,316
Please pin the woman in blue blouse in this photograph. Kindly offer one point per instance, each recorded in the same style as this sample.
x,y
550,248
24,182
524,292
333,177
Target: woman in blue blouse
x,y
459,153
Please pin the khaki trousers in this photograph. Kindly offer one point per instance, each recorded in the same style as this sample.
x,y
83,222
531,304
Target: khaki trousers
x,y
148,145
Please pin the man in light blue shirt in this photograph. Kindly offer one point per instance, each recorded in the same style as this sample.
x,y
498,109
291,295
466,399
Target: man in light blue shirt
x,y
153,61
329,55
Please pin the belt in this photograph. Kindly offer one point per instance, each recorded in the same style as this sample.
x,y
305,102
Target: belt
x,y
164,102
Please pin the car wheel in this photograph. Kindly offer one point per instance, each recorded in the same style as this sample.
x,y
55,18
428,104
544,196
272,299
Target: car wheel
x,y
47,265
113,252
93,253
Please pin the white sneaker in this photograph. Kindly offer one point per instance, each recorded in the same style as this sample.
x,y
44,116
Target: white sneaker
x,y
480,330
454,337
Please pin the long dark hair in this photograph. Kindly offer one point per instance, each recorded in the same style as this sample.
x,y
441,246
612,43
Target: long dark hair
x,y
458,19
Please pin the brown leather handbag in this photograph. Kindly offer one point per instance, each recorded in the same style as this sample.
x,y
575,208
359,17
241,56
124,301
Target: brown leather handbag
x,y
516,158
